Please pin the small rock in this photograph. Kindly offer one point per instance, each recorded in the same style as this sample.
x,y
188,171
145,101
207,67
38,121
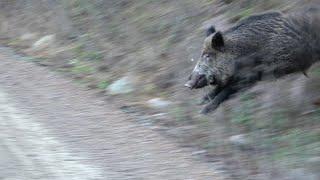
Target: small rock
x,y
44,42
242,141
159,103
121,86
159,128
195,153
28,37
158,115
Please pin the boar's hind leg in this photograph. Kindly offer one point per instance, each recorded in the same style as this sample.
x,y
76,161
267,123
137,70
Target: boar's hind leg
x,y
220,97
210,96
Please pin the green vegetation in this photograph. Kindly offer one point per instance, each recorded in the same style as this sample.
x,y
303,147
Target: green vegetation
x,y
245,13
243,115
288,144
86,55
149,38
279,120
14,42
81,68
103,84
296,146
316,71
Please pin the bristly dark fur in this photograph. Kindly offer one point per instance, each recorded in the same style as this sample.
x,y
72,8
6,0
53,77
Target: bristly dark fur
x,y
265,45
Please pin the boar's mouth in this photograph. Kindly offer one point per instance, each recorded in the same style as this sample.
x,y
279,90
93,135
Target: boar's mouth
x,y
197,81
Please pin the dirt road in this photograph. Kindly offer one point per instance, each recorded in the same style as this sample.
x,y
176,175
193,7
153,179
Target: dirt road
x,y
52,129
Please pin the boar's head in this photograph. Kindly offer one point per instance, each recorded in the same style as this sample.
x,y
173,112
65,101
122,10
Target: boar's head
x,y
215,65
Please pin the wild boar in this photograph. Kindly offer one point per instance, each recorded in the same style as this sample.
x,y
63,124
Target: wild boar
x,y
265,45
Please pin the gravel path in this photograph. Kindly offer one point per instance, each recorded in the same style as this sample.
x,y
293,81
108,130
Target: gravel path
x,y
52,129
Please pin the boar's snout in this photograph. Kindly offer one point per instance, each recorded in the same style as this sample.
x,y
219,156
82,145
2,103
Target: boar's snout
x,y
196,81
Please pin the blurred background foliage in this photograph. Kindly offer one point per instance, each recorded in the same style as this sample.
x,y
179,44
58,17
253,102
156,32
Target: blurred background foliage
x,y
137,54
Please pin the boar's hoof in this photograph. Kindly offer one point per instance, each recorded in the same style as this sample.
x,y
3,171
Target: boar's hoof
x,y
204,111
208,108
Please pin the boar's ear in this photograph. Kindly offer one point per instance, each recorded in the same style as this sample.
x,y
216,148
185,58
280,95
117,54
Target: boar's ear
x,y
210,31
217,41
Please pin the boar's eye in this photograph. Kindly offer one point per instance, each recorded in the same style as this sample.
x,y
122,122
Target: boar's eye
x,y
207,58
208,55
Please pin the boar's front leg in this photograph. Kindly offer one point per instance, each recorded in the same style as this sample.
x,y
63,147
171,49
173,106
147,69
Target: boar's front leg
x,y
223,95
210,96
225,92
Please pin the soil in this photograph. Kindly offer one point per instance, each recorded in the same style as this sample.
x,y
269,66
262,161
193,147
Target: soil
x,y
54,129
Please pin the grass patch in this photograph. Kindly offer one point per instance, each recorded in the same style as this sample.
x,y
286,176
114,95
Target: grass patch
x,y
80,68
241,15
316,71
296,146
244,115
14,42
245,13
103,84
82,54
